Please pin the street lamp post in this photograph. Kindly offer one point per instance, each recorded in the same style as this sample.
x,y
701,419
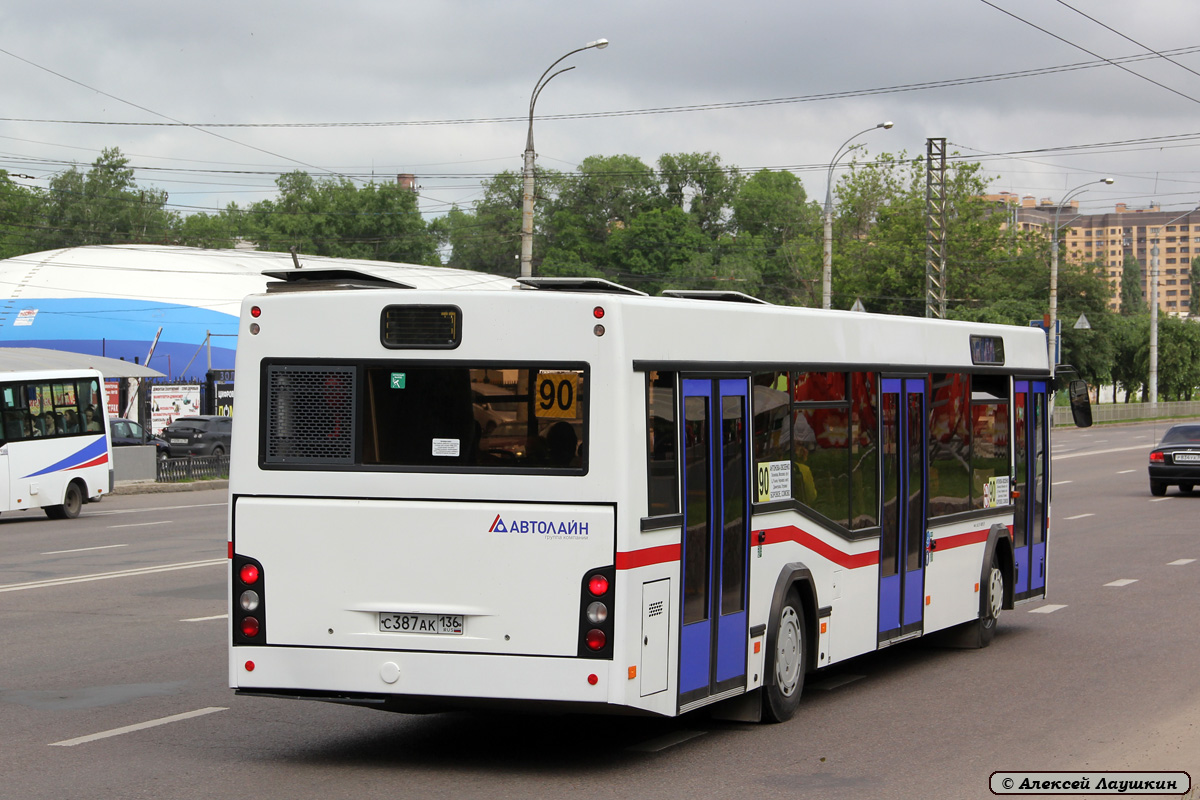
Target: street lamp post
x,y
527,195
1152,379
1051,338
827,259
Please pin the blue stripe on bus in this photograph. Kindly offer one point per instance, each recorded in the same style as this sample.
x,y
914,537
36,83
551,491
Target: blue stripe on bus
x,y
80,457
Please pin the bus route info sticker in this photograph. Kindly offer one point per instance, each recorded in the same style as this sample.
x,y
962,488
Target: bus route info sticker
x,y
774,480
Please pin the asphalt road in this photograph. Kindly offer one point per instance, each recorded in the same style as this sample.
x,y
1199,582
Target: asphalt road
x,y
116,620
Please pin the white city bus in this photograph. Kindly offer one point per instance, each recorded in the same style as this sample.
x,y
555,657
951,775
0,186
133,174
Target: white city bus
x,y
571,494
54,446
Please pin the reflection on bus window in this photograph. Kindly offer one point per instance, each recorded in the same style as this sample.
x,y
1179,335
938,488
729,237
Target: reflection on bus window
x,y
663,466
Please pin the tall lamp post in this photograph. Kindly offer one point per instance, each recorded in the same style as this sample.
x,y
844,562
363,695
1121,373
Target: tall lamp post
x,y
1051,338
527,195
1152,381
827,259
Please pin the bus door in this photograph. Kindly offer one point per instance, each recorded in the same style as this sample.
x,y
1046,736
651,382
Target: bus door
x,y
1032,487
716,518
902,540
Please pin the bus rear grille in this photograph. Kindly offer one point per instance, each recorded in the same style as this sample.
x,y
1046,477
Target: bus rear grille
x,y
309,415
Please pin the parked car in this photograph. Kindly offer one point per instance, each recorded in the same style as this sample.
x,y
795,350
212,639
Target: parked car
x,y
201,435
1176,460
127,432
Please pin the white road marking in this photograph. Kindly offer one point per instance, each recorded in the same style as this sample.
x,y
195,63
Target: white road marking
x,y
1058,457
156,508
1180,562
83,549
1161,499
1080,516
1046,609
1122,582
141,726
1060,483
206,619
101,576
142,524
1127,471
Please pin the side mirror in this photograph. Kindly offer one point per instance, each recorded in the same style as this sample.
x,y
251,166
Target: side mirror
x,y
1081,404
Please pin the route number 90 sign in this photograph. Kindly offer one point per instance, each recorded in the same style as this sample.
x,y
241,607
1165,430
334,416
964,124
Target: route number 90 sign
x,y
557,395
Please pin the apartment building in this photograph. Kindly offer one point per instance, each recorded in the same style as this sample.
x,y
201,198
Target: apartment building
x,y
1125,235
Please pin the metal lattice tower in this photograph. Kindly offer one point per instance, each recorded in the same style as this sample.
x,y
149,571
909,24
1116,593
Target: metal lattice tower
x,y
935,228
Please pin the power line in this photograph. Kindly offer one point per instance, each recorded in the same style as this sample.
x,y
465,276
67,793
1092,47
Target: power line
x,y
1113,62
723,106
1128,39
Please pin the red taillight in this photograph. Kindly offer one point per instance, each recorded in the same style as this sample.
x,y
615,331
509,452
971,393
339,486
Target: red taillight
x,y
249,574
249,627
255,312
598,585
596,639
598,312
1157,458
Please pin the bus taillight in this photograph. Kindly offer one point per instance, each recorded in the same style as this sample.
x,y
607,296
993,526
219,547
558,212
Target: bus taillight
x,y
596,613
249,601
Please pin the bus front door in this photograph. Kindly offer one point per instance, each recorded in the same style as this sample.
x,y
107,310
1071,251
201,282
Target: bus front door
x,y
713,637
902,540
1031,486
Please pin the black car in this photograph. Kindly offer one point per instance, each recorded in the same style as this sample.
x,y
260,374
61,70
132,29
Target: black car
x,y
127,432
200,435
1176,460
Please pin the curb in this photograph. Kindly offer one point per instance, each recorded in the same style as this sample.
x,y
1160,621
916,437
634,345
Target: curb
x,y
153,487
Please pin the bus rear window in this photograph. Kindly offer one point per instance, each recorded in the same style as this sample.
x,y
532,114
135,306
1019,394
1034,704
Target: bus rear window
x,y
417,415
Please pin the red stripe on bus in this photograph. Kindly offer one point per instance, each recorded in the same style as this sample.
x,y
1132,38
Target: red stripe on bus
x,y
791,533
961,540
95,462
650,555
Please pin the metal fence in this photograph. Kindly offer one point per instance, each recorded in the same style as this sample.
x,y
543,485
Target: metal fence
x,y
1127,412
190,468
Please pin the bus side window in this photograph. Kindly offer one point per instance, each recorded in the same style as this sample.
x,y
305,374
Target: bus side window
x,y
661,435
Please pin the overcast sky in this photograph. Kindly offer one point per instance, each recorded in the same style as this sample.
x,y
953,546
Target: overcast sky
x,y
424,68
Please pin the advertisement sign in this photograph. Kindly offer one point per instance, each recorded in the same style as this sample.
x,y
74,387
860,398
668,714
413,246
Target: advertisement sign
x,y
169,402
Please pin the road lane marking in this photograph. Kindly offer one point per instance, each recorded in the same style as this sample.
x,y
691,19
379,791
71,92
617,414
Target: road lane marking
x,y
142,524
1180,562
1058,457
206,619
141,726
155,508
83,549
101,576
1080,516
1127,471
1047,609
1160,499
1060,483
1121,582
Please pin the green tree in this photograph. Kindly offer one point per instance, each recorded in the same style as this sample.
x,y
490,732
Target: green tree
x,y
1133,300
104,206
20,209
1178,358
778,234
334,217
487,238
220,230
1130,337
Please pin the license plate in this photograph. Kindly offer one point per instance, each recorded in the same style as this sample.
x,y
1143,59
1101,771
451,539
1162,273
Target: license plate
x,y
179,441
1187,458
449,624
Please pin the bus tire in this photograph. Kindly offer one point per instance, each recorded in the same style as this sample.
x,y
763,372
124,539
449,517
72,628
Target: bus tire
x,y
993,602
786,661
72,503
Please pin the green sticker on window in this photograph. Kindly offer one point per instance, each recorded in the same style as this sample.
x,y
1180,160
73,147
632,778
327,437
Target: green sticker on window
x,y
397,380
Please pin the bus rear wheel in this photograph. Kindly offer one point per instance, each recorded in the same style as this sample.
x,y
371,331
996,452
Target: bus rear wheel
x,y
994,602
72,503
786,661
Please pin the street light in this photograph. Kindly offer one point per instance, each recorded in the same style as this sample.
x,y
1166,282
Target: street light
x,y
827,260
527,196
1152,381
1051,338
